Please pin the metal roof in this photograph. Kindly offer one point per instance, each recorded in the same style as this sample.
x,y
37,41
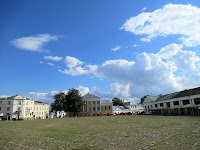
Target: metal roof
x,y
90,96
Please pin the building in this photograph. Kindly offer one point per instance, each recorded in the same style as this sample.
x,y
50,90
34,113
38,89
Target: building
x,y
185,102
94,105
19,107
127,108
106,107
118,109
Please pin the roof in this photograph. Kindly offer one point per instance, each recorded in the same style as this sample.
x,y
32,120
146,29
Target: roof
x,y
184,93
167,96
189,92
115,108
90,96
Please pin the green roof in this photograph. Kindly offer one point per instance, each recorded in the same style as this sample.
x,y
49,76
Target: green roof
x,y
153,98
167,96
162,97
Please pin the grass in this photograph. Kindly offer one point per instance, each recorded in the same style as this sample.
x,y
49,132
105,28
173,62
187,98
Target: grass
x,y
114,132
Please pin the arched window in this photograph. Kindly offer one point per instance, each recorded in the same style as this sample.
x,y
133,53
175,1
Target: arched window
x,y
18,103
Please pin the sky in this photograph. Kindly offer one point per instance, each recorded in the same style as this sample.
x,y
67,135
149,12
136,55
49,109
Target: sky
x,y
125,49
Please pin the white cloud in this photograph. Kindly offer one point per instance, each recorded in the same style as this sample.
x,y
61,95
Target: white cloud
x,y
72,61
144,9
74,71
172,19
43,97
169,51
2,96
135,45
83,90
50,64
34,43
116,48
169,70
53,58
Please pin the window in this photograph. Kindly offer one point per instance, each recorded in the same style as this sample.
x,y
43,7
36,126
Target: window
x,y
37,108
105,107
101,107
26,108
31,108
0,102
34,108
0,108
93,108
18,108
8,108
109,107
19,103
98,108
93,102
9,102
26,103
97,102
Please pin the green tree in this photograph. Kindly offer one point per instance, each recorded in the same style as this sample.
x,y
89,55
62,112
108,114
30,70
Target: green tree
x,y
59,103
116,101
73,101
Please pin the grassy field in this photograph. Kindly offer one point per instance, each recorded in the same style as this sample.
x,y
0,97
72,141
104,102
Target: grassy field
x,y
114,132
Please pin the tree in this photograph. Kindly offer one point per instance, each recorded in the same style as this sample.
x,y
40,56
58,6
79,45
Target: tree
x,y
59,103
73,101
116,101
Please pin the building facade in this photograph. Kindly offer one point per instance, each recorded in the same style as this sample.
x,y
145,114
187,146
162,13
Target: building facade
x,y
94,105
185,102
19,107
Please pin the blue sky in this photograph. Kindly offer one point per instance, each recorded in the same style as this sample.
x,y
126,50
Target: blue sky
x,y
110,48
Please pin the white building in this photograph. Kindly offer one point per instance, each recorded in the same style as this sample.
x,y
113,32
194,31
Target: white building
x,y
118,109
19,107
182,102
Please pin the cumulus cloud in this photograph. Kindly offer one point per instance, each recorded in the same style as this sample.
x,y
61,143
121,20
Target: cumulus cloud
x,y
169,70
116,48
172,19
48,97
77,67
53,58
72,61
74,71
83,90
34,43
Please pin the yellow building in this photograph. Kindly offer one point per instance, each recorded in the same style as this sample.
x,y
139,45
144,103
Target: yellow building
x,y
94,105
19,107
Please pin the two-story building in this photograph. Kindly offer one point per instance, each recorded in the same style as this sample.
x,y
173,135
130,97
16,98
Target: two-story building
x,y
182,102
94,105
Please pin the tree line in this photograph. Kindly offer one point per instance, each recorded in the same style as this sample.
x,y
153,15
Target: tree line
x,y
72,101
